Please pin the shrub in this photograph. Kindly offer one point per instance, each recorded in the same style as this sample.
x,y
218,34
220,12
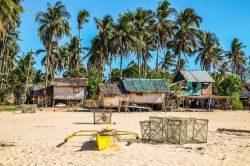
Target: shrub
x,y
235,101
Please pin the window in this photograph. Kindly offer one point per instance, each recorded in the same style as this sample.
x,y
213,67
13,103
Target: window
x,y
195,85
76,89
205,85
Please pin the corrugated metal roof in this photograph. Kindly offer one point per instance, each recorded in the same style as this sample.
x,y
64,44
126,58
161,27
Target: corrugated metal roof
x,y
145,85
197,76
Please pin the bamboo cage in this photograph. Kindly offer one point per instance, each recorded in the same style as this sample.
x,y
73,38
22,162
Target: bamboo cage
x,y
174,130
157,129
145,130
29,108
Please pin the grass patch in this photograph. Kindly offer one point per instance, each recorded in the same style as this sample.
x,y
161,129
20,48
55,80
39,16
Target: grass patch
x,y
9,108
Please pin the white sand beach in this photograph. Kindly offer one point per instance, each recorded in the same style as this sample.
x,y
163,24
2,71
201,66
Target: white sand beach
x,y
37,139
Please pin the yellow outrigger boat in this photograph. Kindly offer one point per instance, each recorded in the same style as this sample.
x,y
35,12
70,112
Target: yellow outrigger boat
x,y
102,137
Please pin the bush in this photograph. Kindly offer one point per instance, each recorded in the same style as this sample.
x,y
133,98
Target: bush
x,y
235,101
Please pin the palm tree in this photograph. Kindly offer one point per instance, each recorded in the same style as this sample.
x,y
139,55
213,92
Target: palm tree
x,y
27,62
53,26
82,18
236,56
73,59
182,64
186,32
209,52
100,49
62,58
124,37
163,27
168,61
142,22
10,11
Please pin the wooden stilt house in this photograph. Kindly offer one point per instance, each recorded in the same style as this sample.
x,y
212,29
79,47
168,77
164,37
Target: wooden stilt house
x,y
150,92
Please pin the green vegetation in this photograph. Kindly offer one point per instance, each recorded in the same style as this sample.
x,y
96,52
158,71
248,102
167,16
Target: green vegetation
x,y
173,36
9,108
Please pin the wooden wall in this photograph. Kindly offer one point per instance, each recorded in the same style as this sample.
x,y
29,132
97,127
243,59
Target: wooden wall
x,y
67,93
207,90
146,98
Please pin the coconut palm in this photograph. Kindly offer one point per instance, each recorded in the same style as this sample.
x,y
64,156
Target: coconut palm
x,y
62,58
142,22
82,18
26,65
209,52
10,11
53,26
186,32
73,59
100,49
124,37
163,27
168,61
236,56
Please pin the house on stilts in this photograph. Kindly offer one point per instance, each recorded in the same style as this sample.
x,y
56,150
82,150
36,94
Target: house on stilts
x,y
197,91
61,90
143,92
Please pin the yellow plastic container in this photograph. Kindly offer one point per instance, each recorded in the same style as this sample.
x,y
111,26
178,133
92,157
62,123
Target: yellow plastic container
x,y
102,141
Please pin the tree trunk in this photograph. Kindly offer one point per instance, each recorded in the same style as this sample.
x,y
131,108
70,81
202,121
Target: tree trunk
x,y
145,67
121,58
110,68
102,63
139,64
214,72
178,63
48,60
27,80
79,34
157,59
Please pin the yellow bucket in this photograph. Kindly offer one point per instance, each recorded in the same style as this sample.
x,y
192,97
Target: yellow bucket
x,y
102,141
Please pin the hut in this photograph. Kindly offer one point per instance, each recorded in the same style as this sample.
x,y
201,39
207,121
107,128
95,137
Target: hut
x,y
150,92
195,83
197,90
61,90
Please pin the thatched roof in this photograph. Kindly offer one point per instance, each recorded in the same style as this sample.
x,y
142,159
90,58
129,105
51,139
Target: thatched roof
x,y
193,76
145,85
111,89
82,82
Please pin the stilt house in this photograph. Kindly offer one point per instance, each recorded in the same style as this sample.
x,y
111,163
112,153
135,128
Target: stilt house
x,y
148,92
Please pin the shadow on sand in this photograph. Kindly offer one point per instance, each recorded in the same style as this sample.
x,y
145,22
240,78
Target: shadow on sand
x,y
88,146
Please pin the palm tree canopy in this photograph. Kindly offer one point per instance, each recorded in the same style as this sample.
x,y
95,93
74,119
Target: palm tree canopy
x,y
82,18
209,52
186,32
236,55
163,26
53,23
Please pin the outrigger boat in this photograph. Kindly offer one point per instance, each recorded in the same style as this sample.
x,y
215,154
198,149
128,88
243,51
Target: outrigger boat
x,y
102,137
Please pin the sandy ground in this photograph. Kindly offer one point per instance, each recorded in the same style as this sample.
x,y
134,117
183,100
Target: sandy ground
x,y
37,139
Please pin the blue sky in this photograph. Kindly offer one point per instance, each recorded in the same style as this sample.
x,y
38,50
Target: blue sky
x,y
226,18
